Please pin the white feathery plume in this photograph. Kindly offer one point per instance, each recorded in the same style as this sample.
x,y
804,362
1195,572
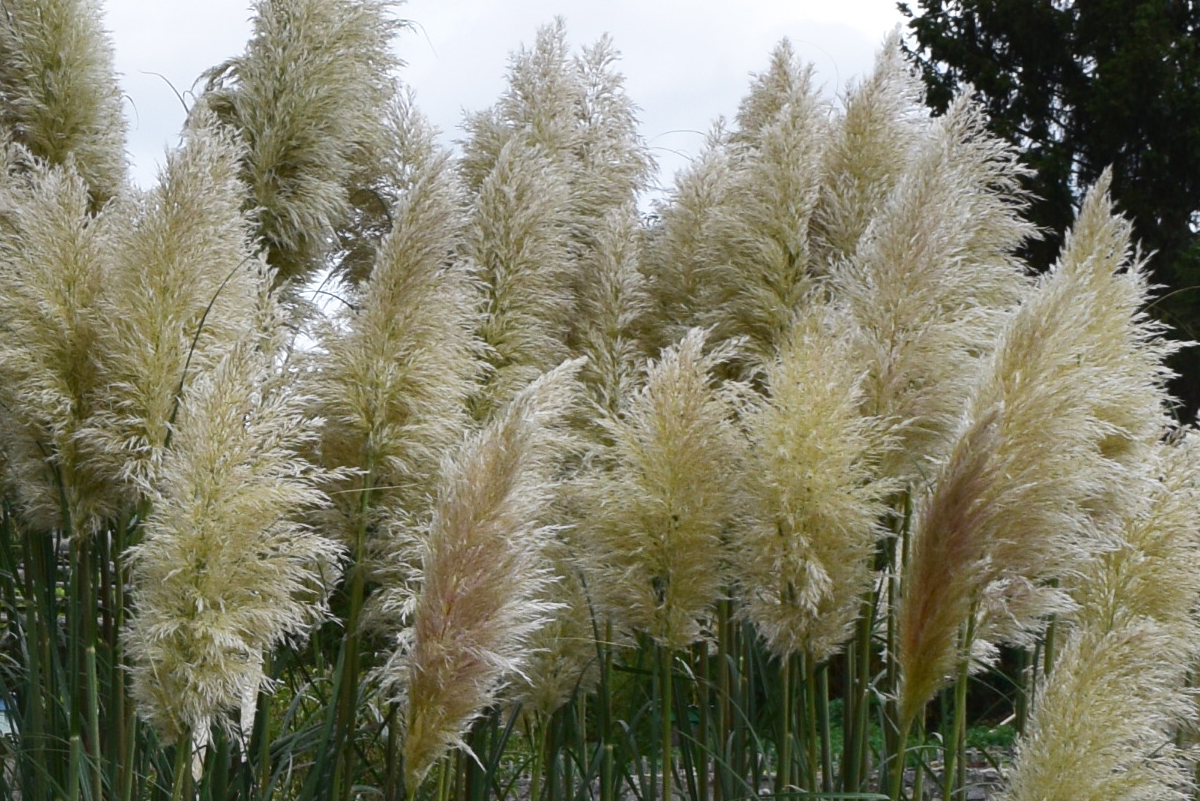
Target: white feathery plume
x,y
182,289
58,92
1009,516
869,146
484,572
55,264
1106,719
806,558
225,571
306,97
659,517
932,280
517,240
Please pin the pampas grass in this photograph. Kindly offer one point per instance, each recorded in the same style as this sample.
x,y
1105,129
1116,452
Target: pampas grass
x,y
484,571
659,518
932,276
1106,720
182,289
867,151
517,240
807,558
305,98
927,453
58,92
225,571
395,367
1007,516
763,230
55,263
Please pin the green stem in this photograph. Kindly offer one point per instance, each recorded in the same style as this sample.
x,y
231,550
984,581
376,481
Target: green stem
x,y
919,774
540,734
783,770
93,694
1050,648
183,766
957,737
348,689
392,755
704,695
898,760
826,729
725,649
810,722
667,702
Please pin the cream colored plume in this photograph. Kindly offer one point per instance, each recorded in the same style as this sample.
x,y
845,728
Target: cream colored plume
x,y
392,372
225,572
55,266
183,288
1024,499
658,518
682,263
612,307
58,92
306,98
484,572
517,239
931,280
869,146
806,558
1105,721
762,231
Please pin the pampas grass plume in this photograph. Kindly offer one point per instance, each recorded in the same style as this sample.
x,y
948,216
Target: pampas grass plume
x,y
932,278
58,92
183,289
869,146
807,558
393,372
1106,718
517,240
1008,516
661,513
224,572
484,572
55,264
763,229
305,97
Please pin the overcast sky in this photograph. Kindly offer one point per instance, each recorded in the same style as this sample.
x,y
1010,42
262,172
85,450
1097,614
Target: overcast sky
x,y
685,61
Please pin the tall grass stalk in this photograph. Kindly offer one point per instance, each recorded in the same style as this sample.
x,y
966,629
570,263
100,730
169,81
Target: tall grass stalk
x,y
656,573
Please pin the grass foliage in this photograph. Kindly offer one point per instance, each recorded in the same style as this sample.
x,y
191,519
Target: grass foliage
x,y
335,466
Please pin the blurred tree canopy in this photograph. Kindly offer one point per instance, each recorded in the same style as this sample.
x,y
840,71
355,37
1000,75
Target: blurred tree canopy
x,y
1080,85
